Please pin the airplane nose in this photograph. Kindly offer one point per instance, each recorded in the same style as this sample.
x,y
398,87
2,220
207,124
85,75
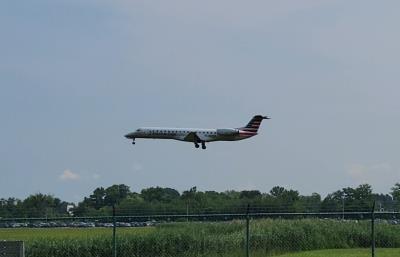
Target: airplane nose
x,y
130,135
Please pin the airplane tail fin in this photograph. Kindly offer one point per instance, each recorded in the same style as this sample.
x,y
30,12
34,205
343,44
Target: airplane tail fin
x,y
254,123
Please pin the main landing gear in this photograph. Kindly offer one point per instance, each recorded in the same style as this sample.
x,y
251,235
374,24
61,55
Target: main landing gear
x,y
133,141
203,145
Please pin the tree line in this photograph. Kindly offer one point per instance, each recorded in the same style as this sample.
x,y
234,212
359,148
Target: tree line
x,y
160,200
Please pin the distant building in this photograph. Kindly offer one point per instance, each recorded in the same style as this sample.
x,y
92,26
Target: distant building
x,y
69,209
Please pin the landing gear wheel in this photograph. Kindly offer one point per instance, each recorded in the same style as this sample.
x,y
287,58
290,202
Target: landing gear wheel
x,y
203,145
133,142
196,145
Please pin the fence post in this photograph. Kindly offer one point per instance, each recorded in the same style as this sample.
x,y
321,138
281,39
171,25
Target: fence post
x,y
248,231
114,233
373,230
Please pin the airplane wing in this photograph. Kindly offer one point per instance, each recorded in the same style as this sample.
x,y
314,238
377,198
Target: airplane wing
x,y
193,137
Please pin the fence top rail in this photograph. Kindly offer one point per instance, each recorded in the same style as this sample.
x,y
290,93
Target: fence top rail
x,y
215,215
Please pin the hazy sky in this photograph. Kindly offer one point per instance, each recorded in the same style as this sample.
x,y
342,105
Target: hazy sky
x,y
75,76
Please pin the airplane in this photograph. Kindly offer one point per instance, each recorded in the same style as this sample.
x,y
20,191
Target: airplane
x,y
199,135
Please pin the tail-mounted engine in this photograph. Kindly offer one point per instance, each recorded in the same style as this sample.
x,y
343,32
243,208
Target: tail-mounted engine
x,y
227,132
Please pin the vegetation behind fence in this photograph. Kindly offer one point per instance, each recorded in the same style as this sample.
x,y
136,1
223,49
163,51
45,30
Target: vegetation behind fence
x,y
270,234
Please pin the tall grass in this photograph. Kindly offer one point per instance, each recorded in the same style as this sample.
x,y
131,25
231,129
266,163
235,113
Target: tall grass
x,y
268,237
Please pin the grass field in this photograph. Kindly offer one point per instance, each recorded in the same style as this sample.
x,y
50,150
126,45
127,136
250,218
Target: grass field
x,y
301,238
345,253
30,234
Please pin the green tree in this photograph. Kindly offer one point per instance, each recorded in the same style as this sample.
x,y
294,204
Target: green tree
x,y
98,197
277,191
396,194
310,203
115,193
351,199
189,195
284,200
10,207
41,205
250,194
159,194
384,202
333,202
363,197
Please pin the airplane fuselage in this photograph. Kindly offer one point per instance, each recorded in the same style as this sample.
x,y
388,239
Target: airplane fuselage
x,y
183,134
199,135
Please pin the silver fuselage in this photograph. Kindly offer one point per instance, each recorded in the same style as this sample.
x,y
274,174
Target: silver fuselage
x,y
183,134
199,135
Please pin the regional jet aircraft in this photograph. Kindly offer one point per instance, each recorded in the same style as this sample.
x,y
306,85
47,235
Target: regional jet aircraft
x,y
199,135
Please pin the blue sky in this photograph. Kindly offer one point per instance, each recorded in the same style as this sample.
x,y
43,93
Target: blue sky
x,y
75,76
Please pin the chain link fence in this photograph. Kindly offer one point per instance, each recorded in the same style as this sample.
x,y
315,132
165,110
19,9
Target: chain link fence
x,y
250,234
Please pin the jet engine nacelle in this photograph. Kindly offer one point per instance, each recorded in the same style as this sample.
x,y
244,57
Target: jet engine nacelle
x,y
227,132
